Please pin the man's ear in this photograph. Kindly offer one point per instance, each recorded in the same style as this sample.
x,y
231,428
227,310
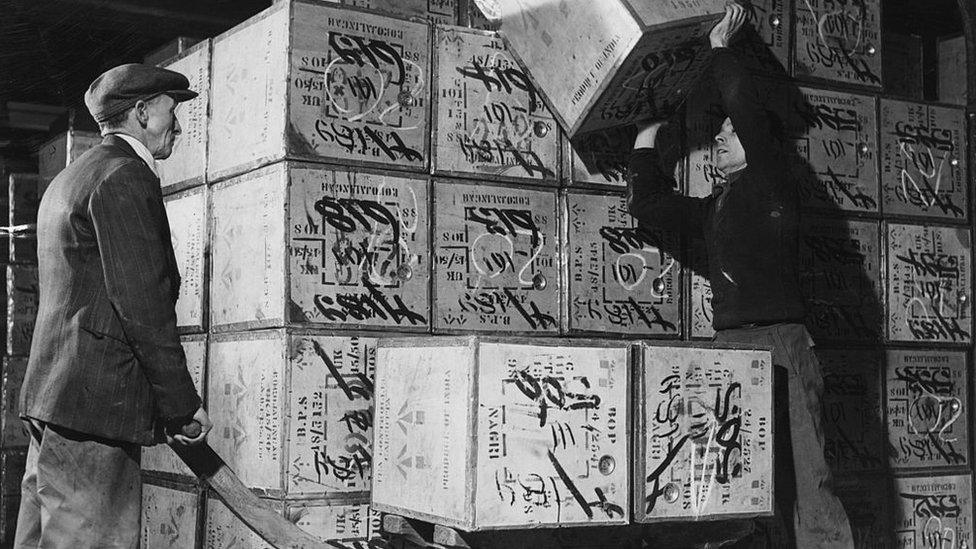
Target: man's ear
x,y
142,113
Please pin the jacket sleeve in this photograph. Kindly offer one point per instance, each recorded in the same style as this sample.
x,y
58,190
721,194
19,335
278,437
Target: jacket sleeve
x,y
745,107
127,213
653,198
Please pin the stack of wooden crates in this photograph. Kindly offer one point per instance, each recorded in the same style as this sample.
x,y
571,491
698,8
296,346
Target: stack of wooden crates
x,y
348,175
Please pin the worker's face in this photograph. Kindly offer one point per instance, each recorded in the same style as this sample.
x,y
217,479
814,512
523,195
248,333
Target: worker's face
x,y
161,126
730,157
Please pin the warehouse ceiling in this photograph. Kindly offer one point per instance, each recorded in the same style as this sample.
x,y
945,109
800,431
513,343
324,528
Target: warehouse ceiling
x,y
50,50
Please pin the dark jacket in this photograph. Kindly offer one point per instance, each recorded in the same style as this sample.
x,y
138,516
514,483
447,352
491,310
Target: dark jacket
x,y
106,358
751,239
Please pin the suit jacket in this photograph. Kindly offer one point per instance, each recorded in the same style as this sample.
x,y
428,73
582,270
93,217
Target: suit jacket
x,y
106,357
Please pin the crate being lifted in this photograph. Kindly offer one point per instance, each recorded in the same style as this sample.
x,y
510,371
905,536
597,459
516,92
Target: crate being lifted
x,y
607,63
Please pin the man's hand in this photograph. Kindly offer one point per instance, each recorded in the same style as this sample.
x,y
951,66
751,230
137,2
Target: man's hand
x,y
647,133
725,29
200,421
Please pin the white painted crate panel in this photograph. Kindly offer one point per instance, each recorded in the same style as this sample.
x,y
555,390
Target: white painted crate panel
x,y
352,526
704,443
490,119
929,284
923,160
496,259
187,164
852,409
187,213
621,279
840,278
838,42
928,408
169,517
835,137
935,511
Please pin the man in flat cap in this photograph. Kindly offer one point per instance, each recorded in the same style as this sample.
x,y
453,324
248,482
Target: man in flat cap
x,y
107,373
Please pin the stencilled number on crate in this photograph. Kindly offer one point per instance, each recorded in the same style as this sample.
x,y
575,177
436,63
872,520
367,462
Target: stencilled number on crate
x,y
839,40
357,248
622,279
935,511
927,408
929,284
489,112
923,159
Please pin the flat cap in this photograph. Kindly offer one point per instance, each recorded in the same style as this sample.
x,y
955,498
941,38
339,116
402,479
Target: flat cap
x,y
118,89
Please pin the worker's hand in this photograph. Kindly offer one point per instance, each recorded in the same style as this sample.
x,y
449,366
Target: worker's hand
x,y
647,133
194,432
724,30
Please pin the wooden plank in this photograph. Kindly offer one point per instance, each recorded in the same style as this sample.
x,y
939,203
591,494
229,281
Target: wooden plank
x,y
187,213
928,408
22,296
840,278
248,94
490,119
929,284
952,69
704,448
496,259
14,434
246,395
187,164
840,43
852,409
330,415
169,517
923,160
160,458
247,246
23,199
360,88
835,136
621,279
359,249
936,511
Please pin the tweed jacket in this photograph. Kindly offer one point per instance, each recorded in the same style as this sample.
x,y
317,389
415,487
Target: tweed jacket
x,y
106,358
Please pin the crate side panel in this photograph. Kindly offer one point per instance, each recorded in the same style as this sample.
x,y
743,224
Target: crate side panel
x,y
841,44
169,517
345,526
552,435
188,161
14,434
496,259
621,279
852,409
22,302
437,11
223,530
601,158
705,402
935,511
187,215
359,249
23,200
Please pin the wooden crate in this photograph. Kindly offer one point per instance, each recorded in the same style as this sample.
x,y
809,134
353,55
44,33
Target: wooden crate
x,y
316,82
703,444
700,306
852,409
187,165
482,433
297,244
292,411
170,514
21,308
923,160
187,213
630,60
835,136
444,12
929,272
160,460
9,508
496,259
23,199
902,65
868,500
840,278
61,150
620,279
170,50
343,525
13,464
764,43
927,395
952,70
490,120
934,511
599,158
14,434
223,530
838,42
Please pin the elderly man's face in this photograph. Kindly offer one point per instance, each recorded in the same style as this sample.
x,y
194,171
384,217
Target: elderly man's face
x,y
162,126
730,157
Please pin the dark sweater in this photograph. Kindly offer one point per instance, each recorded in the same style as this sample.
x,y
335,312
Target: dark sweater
x,y
751,239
